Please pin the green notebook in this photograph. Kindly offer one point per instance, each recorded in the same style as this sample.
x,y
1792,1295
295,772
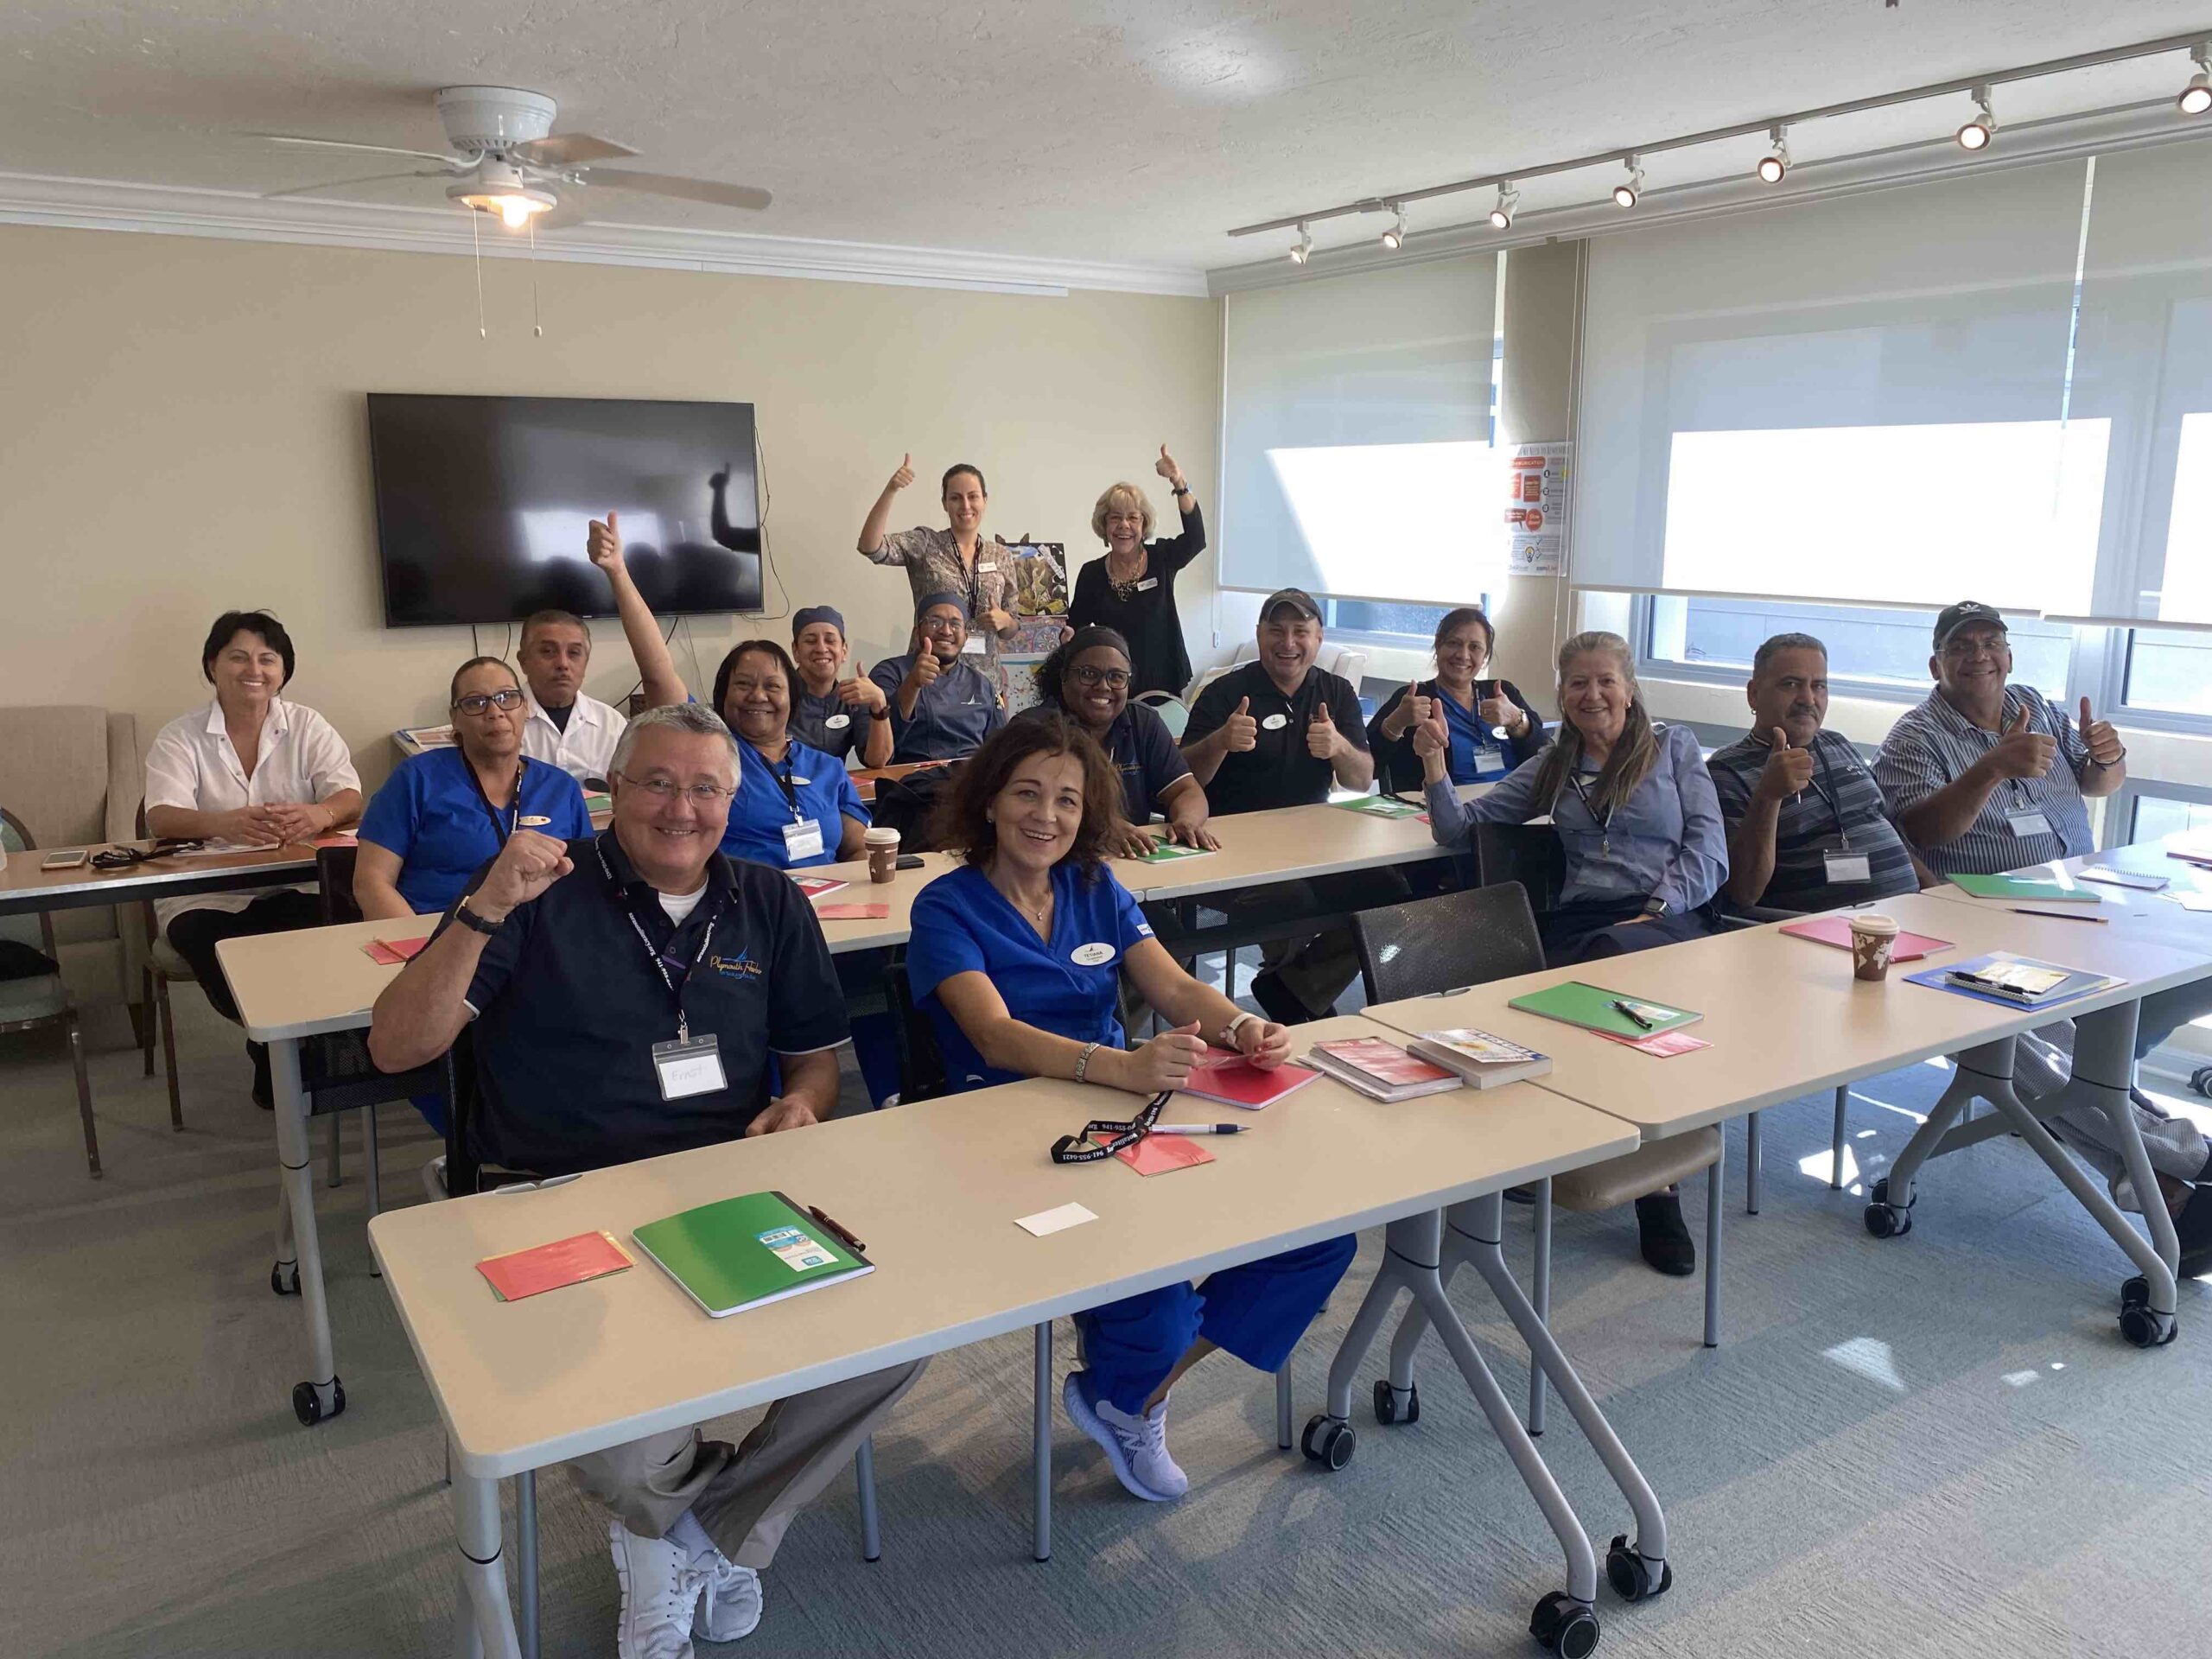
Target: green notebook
x,y
1167,851
1592,1007
2019,887
1378,806
739,1252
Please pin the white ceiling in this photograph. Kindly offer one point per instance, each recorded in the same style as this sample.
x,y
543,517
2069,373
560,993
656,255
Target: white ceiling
x,y
1130,133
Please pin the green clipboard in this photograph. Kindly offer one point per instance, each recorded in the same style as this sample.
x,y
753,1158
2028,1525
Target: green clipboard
x,y
745,1252
1592,1007
2019,887
1378,806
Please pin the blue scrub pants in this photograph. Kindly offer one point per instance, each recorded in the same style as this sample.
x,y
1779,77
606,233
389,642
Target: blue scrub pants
x,y
1256,1312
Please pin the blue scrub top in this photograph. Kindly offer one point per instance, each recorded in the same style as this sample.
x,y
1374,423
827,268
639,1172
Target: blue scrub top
x,y
432,815
821,787
963,924
1477,757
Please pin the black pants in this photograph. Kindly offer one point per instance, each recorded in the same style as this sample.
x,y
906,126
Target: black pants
x,y
195,933
1587,932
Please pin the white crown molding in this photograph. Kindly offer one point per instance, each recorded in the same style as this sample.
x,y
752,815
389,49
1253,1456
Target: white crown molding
x,y
2136,126
239,216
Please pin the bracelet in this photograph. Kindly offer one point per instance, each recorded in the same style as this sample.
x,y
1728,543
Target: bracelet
x,y
1229,1031
1082,1060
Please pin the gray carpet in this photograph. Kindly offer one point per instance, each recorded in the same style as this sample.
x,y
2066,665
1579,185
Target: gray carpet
x,y
1933,1445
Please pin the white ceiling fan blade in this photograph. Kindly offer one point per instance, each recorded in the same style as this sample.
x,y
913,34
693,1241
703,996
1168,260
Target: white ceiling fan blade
x,y
374,149
669,184
569,149
340,184
567,212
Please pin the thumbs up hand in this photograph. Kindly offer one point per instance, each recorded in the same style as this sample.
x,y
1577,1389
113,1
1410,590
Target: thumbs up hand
x,y
1166,468
2103,742
1322,736
924,668
860,691
2023,753
1433,743
603,542
1243,731
1788,770
905,475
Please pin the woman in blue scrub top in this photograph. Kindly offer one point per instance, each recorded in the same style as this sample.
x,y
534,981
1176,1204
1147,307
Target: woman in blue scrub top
x,y
794,805
1475,711
444,814
1088,679
1015,958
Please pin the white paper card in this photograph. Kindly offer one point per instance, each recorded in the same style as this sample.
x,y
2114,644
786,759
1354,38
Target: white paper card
x,y
1055,1221
2028,823
1845,868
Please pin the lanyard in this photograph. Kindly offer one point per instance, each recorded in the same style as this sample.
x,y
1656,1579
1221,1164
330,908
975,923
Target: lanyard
x,y
660,962
784,778
1605,824
504,826
1830,798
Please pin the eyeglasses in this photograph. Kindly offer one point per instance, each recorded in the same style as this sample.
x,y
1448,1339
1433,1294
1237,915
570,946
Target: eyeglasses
x,y
1126,1133
509,700
944,624
1116,679
662,790
1975,645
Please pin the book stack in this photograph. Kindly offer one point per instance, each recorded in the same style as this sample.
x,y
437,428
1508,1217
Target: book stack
x,y
1482,1060
1380,1068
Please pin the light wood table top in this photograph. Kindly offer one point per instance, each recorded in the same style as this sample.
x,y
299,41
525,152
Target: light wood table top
x,y
934,1189
25,887
2129,911
898,894
313,979
1784,1016
1286,845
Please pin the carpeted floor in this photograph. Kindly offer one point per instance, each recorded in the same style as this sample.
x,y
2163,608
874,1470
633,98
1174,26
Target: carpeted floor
x,y
1933,1445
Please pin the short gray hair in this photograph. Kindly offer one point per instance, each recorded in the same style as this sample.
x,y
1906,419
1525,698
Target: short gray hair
x,y
692,719
1782,642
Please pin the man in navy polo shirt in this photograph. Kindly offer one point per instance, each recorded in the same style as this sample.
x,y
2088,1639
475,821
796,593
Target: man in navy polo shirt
x,y
581,963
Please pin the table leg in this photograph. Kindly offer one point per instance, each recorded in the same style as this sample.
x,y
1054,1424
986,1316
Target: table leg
x,y
483,1622
1284,1408
864,1478
1540,1279
322,1395
371,1156
1754,1164
1974,1072
1835,1138
335,1179
526,1559
1040,1451
1714,1209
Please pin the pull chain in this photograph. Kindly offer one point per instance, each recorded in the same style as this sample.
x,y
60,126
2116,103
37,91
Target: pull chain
x,y
536,329
476,243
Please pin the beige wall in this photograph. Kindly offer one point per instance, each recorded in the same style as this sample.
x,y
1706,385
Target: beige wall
x,y
183,430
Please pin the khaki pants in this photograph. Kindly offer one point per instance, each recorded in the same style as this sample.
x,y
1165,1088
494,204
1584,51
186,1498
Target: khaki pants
x,y
744,1496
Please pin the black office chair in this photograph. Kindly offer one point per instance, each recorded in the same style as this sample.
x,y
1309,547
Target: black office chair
x,y
921,1066
1530,853
909,805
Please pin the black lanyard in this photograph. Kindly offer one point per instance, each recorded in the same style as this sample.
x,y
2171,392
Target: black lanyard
x,y
663,962
1830,797
784,778
507,827
1605,824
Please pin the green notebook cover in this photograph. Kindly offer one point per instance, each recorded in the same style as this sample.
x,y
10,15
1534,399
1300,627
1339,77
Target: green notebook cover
x,y
739,1253
2016,886
1168,852
1592,1007
1378,806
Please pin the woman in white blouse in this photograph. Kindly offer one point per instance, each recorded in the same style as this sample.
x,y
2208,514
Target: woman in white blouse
x,y
253,770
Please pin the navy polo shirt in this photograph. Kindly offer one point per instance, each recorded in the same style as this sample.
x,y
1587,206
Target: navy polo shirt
x,y
1280,770
570,1002
952,717
433,816
825,723
804,784
1142,751
1066,984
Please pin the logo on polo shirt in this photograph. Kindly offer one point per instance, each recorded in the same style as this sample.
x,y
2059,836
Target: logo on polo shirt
x,y
741,966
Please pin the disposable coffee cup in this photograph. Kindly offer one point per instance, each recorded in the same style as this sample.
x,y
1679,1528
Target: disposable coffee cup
x,y
1873,937
882,853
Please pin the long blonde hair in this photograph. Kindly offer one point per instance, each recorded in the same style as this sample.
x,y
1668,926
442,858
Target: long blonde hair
x,y
1635,752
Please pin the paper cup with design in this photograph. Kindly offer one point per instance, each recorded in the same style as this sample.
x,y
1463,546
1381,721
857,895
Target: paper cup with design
x,y
883,846
1873,937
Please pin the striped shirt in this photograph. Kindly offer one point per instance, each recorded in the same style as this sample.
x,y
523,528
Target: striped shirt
x,y
1840,812
1932,746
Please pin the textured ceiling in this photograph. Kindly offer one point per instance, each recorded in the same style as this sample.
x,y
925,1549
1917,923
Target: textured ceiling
x,y
1115,132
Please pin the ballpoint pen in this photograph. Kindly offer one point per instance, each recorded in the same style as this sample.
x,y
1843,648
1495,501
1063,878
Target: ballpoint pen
x,y
1627,1011
1200,1129
838,1228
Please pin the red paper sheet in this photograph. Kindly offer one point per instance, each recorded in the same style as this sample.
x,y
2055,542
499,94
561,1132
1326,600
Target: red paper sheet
x,y
1836,930
815,885
1158,1154
548,1267
1227,1076
1661,1044
342,838
392,952
852,913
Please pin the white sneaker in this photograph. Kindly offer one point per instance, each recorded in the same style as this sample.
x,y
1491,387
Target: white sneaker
x,y
730,1606
1136,1445
659,1589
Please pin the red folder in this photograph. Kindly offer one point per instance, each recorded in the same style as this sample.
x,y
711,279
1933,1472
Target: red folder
x,y
392,952
1227,1076
548,1267
1836,930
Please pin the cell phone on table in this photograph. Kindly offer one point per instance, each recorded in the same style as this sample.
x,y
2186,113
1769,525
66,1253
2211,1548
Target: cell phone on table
x,y
64,860
909,862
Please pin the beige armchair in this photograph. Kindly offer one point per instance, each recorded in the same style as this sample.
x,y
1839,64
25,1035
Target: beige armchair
x,y
75,775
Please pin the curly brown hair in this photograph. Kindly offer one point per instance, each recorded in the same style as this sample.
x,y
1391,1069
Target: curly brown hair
x,y
963,821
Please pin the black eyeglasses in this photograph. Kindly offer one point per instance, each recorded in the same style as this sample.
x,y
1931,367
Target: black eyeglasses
x,y
1116,679
1126,1132
509,701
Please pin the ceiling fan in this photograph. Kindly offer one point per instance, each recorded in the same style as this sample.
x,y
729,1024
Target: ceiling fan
x,y
507,162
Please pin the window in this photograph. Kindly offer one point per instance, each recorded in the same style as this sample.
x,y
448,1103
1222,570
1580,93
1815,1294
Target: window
x,y
1878,652
1414,623
2169,672
2164,815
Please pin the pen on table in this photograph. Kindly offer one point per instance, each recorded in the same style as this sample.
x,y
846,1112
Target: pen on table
x,y
842,1231
1200,1129
539,1187
2057,915
1627,1011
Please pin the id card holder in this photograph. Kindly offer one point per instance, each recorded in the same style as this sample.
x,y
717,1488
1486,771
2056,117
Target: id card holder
x,y
1845,868
973,646
688,1066
802,839
2029,822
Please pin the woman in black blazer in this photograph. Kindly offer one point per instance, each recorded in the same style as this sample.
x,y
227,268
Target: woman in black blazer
x,y
1475,711
1132,589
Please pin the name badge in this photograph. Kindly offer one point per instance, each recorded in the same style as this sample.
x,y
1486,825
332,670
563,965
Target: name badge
x,y
1092,956
1275,722
689,1068
1846,867
802,839
837,722
1147,585
531,821
2028,823
986,570
974,647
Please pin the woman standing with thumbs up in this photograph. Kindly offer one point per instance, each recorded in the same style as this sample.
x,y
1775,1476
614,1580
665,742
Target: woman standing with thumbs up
x,y
1132,589
956,559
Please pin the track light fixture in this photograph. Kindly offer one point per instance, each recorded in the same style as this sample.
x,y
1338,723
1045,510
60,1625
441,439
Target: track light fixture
x,y
1977,133
1774,166
1626,192
1501,217
2196,97
1395,238
1304,248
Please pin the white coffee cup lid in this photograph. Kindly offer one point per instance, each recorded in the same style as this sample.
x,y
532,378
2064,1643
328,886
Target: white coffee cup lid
x,y
1874,922
876,836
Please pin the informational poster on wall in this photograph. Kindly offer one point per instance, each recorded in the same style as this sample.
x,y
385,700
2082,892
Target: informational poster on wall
x,y
1040,592
1535,509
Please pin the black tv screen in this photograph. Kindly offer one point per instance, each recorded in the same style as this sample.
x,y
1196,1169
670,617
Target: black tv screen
x,y
483,503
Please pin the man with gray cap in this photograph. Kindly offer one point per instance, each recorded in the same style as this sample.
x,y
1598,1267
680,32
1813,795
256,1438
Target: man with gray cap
x,y
839,714
941,706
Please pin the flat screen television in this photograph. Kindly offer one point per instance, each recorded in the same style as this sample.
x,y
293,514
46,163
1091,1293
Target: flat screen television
x,y
483,503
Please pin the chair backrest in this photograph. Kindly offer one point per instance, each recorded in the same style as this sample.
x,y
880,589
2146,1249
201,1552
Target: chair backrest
x,y
33,929
1530,853
907,804
1446,944
1170,709
55,771
921,1067
334,874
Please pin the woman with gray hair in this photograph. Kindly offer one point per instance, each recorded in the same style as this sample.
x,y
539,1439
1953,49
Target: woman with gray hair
x,y
1132,589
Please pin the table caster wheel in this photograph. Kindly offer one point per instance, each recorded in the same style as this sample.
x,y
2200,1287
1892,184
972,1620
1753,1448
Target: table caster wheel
x,y
284,1278
1563,1625
1329,1441
307,1405
1630,1573
2148,1329
2136,1293
1884,1220
1389,1408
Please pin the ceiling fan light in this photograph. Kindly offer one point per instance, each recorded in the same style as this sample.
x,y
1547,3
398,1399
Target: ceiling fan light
x,y
512,207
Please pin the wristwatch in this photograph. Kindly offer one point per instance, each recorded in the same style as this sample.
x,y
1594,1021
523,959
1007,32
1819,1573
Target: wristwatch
x,y
469,919
1182,489
1229,1031
1657,907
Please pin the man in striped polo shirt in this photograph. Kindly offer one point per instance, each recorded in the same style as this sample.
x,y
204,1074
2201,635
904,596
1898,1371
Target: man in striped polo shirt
x,y
1808,828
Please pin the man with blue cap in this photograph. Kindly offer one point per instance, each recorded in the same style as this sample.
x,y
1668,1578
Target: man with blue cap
x,y
839,714
942,708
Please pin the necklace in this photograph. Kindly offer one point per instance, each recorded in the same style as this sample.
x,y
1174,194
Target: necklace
x,y
1125,588
1039,915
